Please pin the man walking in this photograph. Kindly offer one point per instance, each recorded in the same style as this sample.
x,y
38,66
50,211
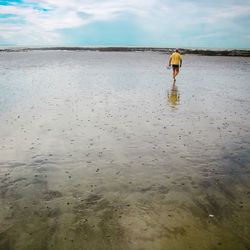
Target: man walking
x,y
176,61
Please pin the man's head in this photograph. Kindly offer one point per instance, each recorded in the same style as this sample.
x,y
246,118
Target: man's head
x,y
176,50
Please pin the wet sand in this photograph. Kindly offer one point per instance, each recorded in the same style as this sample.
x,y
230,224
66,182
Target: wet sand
x,y
100,151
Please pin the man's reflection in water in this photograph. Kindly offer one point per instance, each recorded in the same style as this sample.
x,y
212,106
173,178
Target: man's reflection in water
x,y
173,96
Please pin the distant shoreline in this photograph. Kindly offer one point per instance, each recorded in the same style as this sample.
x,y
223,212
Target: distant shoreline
x,y
196,51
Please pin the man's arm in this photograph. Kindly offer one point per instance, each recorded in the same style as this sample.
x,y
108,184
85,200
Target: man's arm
x,y
180,62
170,61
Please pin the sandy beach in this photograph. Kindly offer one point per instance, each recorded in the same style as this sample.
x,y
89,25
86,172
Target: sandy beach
x,y
100,151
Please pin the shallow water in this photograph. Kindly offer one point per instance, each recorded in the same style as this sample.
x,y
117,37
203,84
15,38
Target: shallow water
x,y
102,151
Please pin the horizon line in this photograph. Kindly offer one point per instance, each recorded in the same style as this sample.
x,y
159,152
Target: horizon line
x,y
120,46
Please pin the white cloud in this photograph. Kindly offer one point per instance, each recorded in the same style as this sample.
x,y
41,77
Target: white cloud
x,y
63,14
157,17
226,13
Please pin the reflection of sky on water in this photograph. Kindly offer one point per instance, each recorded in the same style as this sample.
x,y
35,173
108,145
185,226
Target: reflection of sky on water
x,y
215,90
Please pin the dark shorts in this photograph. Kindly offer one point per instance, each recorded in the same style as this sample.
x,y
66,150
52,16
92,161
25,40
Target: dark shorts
x,y
175,66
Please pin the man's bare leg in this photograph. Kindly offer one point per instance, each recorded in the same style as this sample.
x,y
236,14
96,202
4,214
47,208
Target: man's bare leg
x,y
177,71
174,72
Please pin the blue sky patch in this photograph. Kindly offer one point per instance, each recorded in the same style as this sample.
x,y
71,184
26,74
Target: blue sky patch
x,y
41,9
10,2
7,15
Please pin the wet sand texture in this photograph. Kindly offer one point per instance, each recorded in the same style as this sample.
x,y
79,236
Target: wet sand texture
x,y
97,154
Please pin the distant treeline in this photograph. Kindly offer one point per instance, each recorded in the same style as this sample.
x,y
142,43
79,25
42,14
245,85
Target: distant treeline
x,y
205,52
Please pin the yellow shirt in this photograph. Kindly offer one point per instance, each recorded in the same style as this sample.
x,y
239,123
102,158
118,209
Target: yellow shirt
x,y
176,57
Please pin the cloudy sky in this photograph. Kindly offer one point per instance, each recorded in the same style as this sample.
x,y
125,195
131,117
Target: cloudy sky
x,y
178,23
